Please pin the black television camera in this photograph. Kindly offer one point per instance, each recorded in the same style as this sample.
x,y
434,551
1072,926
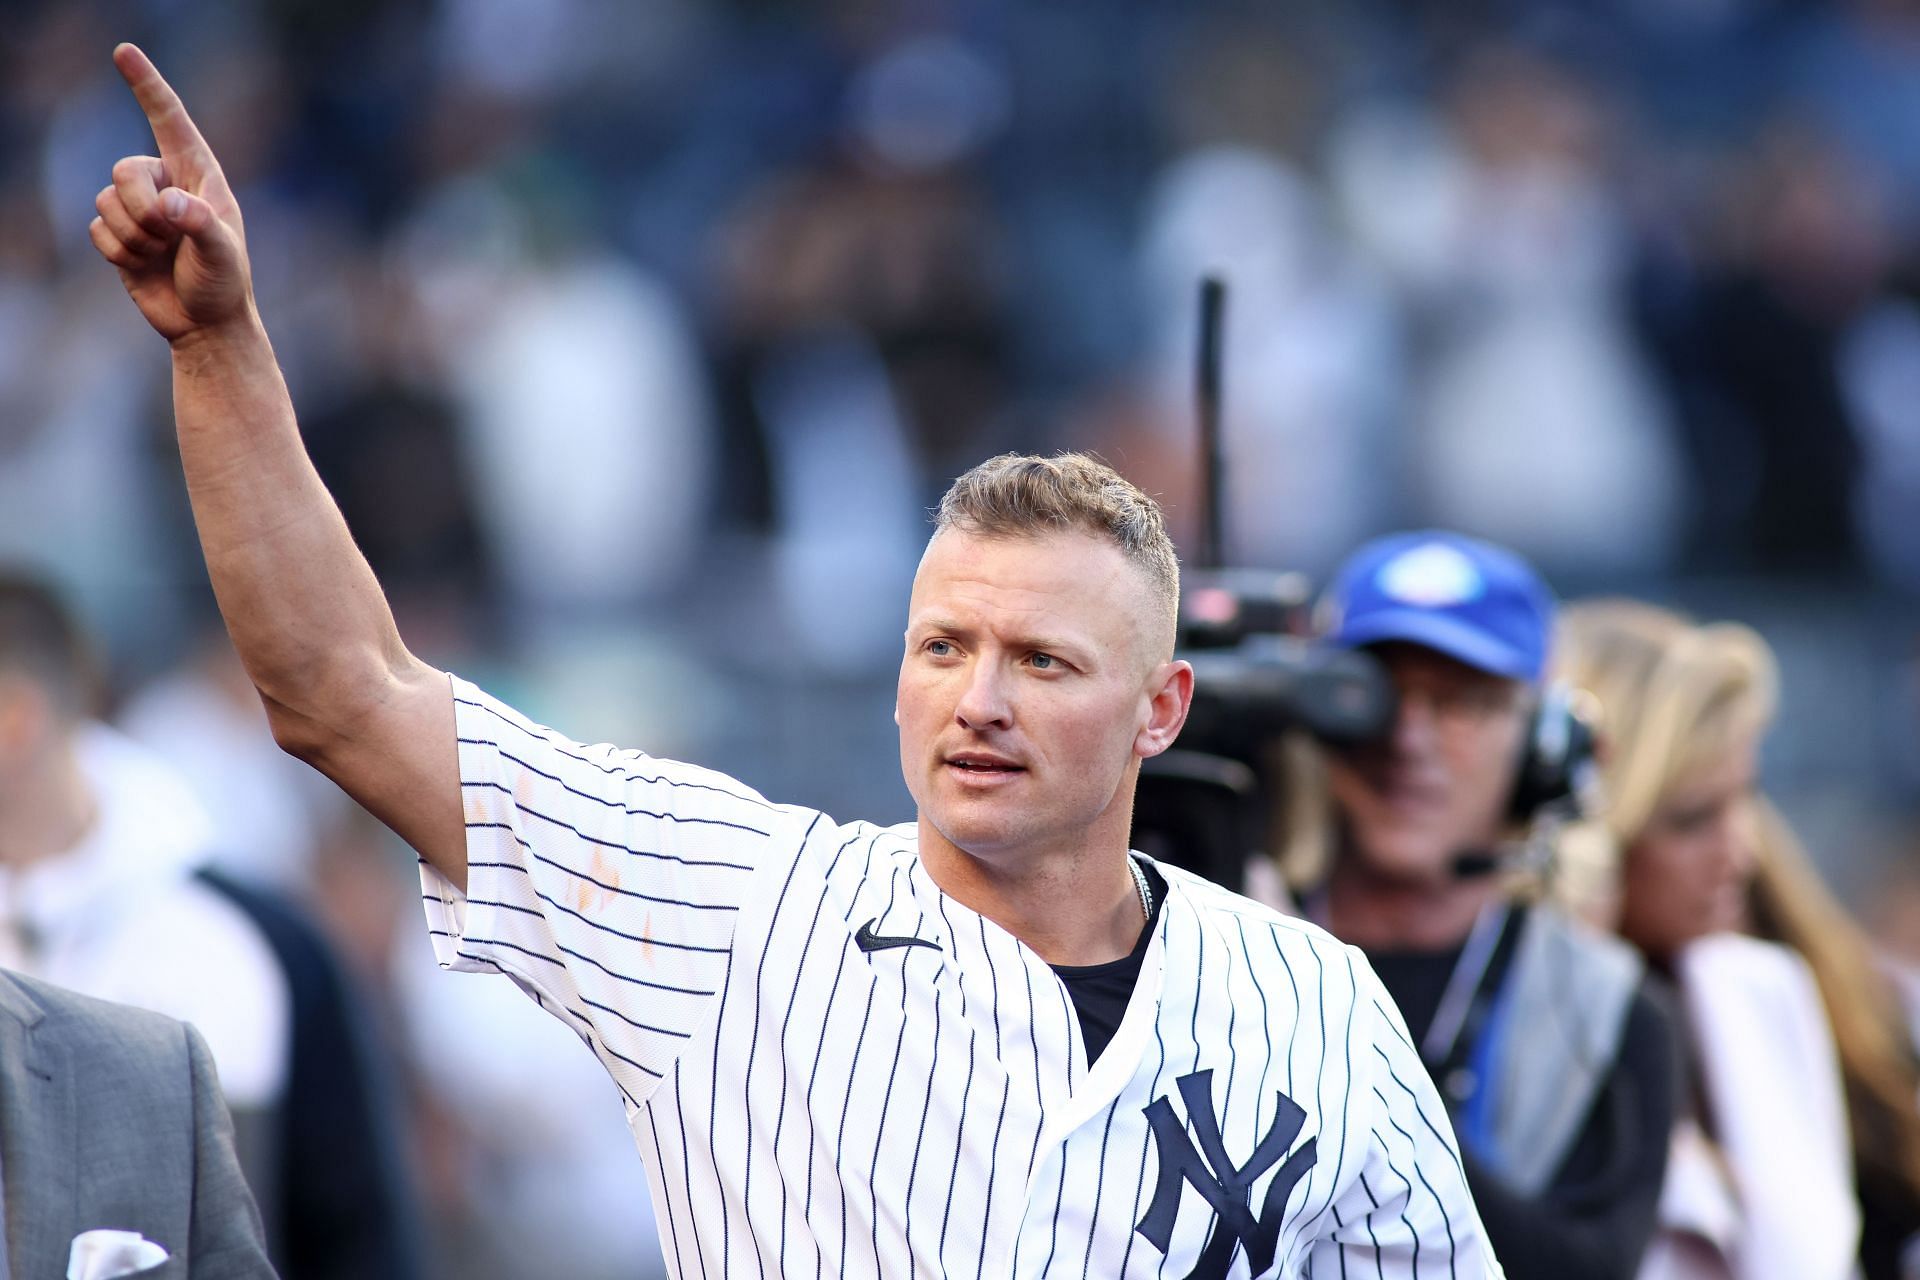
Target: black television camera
x,y
1200,805
1256,675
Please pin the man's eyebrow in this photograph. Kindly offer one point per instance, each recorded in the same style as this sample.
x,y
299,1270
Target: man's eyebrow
x,y
933,624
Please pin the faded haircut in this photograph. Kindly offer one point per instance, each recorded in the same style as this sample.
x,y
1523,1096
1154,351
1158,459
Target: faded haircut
x,y
1023,495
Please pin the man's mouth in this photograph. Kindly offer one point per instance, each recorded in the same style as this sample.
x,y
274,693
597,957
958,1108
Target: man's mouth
x,y
983,765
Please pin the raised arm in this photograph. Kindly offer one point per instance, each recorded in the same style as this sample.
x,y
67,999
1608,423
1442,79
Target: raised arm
x,y
304,610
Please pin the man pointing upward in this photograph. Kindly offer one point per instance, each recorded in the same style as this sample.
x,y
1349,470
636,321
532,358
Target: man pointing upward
x,y
988,1042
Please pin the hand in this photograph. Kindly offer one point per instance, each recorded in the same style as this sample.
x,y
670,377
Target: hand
x,y
169,223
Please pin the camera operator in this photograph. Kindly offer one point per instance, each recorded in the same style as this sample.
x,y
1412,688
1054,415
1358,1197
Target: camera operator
x,y
1558,1065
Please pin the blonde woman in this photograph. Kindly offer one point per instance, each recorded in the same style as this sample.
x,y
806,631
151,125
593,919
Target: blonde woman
x,y
1760,1180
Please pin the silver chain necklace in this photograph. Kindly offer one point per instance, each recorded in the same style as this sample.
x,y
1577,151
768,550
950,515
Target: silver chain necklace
x,y
1146,892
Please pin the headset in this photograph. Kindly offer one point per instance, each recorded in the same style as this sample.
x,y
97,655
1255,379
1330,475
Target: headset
x,y
1559,766
1556,782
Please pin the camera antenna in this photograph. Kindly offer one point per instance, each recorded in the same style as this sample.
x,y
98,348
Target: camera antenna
x,y
1213,305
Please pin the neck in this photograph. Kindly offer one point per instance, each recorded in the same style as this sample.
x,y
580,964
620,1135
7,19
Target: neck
x,y
1393,914
45,810
1077,909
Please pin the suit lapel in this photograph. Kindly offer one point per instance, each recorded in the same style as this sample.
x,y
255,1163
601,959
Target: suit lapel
x,y
39,1139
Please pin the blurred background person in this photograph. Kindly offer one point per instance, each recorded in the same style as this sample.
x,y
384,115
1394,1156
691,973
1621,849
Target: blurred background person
x,y
106,886
99,843
1563,1120
1761,1182
1879,1063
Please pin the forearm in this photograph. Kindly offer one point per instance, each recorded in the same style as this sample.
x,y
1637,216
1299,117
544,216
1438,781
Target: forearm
x,y
303,608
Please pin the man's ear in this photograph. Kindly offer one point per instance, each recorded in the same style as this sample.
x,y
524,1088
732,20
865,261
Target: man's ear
x,y
1170,697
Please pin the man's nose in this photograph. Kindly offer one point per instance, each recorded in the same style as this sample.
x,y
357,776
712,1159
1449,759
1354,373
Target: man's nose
x,y
1415,724
984,703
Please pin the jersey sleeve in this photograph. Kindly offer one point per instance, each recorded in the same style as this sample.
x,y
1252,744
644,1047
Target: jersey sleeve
x,y
605,883
1407,1211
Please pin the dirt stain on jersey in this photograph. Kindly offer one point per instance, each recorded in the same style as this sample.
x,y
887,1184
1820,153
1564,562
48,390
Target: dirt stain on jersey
x,y
590,897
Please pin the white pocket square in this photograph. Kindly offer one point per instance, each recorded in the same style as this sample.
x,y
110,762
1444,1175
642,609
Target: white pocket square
x,y
104,1253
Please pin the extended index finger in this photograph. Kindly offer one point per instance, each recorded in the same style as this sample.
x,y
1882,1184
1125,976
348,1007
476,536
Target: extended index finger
x,y
173,128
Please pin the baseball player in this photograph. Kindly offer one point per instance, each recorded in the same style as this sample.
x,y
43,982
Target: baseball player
x,y
989,1042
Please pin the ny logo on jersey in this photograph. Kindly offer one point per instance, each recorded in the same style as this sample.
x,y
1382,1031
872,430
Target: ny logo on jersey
x,y
1229,1189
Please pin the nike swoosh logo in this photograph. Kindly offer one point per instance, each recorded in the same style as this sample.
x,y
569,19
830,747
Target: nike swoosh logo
x,y
867,940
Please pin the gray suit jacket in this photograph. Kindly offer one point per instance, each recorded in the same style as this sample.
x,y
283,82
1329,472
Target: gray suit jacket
x,y
112,1117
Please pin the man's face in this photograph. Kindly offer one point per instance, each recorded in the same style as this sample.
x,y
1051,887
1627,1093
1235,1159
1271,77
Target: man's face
x,y
1029,690
1438,784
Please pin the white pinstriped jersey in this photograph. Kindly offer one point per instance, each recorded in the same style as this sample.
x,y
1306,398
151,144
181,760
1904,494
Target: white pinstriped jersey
x,y
806,1107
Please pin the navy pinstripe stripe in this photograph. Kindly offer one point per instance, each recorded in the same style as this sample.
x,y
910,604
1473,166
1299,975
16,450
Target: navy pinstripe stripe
x,y
589,1035
1393,1027
840,1143
948,921
666,1192
1199,969
1379,1267
966,1091
713,1132
886,1104
806,1212
1146,1140
853,1073
686,1174
1059,1197
1099,1189
926,1107
786,1025
1346,1109
604,843
1006,1095
635,1023
1394,1169
1320,1100
591,923
1266,1030
819,1255
753,1043
541,955
1413,1154
631,811
959,1136
1071,1022
1039,1098
548,738
580,875
1421,1112
1226,1096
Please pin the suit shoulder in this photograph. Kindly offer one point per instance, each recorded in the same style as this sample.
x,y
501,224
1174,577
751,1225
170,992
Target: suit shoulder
x,y
102,1032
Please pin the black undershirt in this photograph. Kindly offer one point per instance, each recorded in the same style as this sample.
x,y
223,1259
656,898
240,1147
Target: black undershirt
x,y
1597,1212
1100,991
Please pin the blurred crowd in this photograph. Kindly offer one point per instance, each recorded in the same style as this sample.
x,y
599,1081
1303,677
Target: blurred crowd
x,y
635,339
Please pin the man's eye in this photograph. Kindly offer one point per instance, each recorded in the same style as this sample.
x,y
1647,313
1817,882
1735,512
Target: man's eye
x,y
939,648
1043,661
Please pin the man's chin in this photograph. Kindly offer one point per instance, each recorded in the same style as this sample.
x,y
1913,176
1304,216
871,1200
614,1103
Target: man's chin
x,y
987,841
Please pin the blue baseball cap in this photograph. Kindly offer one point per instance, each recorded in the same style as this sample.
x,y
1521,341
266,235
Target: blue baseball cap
x,y
1475,602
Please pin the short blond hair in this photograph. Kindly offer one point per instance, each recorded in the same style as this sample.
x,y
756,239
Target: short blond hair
x,y
1024,495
